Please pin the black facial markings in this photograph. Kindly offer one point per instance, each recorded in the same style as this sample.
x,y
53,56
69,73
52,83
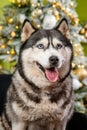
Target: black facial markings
x,y
48,38
21,72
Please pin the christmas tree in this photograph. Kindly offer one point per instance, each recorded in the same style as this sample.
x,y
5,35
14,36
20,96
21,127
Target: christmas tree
x,y
45,14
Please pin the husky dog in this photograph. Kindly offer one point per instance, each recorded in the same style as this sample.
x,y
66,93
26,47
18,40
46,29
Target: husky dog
x,y
40,96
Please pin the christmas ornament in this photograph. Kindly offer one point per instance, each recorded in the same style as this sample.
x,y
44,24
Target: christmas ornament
x,y
81,73
13,34
17,27
82,31
1,27
22,18
56,14
57,5
3,46
12,52
76,84
0,67
10,20
20,2
71,4
49,21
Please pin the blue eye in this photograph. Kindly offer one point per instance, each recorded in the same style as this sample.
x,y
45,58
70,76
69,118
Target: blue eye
x,y
58,46
40,46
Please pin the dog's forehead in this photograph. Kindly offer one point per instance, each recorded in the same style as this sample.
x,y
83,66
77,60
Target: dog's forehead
x,y
49,36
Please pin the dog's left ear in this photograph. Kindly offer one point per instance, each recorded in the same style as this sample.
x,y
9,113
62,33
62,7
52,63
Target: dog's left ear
x,y
27,30
64,28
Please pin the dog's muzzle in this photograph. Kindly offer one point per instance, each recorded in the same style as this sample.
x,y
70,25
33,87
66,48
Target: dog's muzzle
x,y
51,73
54,61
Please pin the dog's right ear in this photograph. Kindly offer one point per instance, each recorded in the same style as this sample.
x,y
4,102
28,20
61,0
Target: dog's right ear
x,y
64,28
27,30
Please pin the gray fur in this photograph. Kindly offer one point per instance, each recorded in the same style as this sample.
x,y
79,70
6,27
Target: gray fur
x,y
33,101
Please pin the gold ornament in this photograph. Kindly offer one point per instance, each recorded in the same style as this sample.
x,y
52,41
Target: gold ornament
x,y
7,19
12,52
13,34
75,20
71,4
0,67
73,65
3,46
17,27
1,27
33,5
10,20
77,50
81,72
39,12
34,14
57,4
56,14
36,25
20,2
39,4
82,31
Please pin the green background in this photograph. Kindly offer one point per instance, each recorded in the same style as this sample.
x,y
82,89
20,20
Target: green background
x,y
81,10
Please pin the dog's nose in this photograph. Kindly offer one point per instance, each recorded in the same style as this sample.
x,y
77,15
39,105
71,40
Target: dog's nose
x,y
53,60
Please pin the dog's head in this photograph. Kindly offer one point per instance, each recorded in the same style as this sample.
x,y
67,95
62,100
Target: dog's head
x,y
45,55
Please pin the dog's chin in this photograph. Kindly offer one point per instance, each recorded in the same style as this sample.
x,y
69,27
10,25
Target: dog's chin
x,y
51,73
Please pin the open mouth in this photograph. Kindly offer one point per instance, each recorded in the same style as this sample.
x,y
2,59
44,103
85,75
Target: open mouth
x,y
51,73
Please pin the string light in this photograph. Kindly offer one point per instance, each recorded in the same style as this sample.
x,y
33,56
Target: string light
x,y
13,34
8,52
1,27
56,14
71,4
17,27
3,46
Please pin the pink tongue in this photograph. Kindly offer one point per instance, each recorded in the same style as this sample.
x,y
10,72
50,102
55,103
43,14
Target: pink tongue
x,y
52,75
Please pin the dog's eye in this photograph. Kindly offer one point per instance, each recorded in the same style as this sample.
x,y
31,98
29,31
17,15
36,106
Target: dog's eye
x,y
40,46
58,46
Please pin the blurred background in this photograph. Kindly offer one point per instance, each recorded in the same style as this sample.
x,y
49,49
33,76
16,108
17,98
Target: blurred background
x,y
81,10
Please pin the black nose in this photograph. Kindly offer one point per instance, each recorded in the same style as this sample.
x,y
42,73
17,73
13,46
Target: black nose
x,y
53,60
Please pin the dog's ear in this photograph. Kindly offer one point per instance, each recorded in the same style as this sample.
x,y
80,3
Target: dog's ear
x,y
27,30
64,28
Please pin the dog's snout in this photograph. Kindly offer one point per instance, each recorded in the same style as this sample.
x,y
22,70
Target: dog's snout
x,y
53,60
